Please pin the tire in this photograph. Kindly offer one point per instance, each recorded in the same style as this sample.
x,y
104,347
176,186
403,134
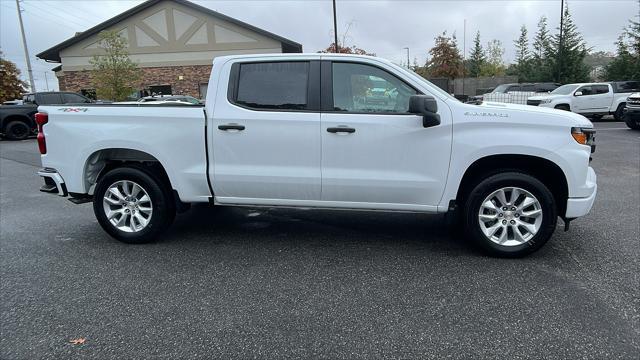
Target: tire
x,y
512,245
631,123
133,231
564,107
618,114
17,130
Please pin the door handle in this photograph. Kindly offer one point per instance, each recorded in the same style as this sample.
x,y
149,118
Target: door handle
x,y
341,129
231,127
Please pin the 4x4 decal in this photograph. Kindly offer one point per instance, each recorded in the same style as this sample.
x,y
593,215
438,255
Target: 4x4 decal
x,y
71,109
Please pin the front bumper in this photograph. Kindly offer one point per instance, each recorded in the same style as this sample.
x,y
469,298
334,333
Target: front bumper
x,y
632,115
53,182
577,207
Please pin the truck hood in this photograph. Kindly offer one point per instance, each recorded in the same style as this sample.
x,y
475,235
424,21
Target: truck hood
x,y
535,114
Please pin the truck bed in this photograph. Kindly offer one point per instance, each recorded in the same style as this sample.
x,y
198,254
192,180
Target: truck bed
x,y
172,134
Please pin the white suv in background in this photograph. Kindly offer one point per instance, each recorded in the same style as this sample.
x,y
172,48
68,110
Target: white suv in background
x,y
589,99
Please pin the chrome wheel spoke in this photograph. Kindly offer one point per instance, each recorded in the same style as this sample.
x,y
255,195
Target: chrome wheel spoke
x,y
528,201
124,210
532,214
488,217
517,234
503,235
515,194
502,197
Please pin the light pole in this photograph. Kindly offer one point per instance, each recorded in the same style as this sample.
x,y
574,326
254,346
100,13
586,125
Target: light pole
x,y
26,49
560,41
335,27
408,67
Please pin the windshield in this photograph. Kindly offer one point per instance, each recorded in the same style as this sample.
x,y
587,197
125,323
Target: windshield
x,y
501,88
564,89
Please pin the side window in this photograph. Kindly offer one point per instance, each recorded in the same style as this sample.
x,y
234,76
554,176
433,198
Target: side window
x,y
586,90
529,88
601,89
365,88
513,88
275,85
45,99
73,98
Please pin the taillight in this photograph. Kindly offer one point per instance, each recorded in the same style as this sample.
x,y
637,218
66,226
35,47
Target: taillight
x,y
41,119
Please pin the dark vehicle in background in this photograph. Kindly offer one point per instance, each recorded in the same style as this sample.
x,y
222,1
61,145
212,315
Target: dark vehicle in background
x,y
625,86
17,121
631,113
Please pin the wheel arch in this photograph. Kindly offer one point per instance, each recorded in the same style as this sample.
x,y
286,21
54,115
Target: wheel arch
x,y
16,117
99,162
545,170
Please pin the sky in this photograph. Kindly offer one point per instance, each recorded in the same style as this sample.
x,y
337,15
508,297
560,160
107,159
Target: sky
x,y
385,28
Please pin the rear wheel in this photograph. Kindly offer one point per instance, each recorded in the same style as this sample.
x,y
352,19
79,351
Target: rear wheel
x,y
17,130
618,114
510,214
133,205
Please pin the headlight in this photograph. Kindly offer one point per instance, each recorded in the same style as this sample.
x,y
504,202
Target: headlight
x,y
545,101
584,136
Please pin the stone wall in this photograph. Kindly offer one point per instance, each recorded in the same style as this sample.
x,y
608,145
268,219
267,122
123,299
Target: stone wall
x,y
184,80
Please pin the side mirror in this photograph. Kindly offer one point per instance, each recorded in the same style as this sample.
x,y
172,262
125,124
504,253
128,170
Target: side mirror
x,y
427,106
578,93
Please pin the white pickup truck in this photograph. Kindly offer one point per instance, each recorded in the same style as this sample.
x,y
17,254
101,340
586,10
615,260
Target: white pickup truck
x,y
291,131
589,99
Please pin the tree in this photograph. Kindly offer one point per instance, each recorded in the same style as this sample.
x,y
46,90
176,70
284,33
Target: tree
x,y
523,57
569,54
626,64
114,73
477,58
446,60
542,51
346,50
494,66
11,87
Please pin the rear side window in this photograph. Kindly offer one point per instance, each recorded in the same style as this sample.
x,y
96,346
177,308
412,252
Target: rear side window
x,y
529,88
600,89
29,99
545,87
73,98
273,85
49,99
513,88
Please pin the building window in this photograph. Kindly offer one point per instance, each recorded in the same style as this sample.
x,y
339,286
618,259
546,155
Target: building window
x,y
160,90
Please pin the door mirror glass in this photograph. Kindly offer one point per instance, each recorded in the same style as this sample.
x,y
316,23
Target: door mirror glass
x,y
427,106
578,93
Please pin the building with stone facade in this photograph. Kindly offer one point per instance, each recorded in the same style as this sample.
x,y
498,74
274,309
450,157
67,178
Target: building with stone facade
x,y
173,42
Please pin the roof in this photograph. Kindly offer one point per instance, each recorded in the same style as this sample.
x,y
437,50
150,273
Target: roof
x,y
53,54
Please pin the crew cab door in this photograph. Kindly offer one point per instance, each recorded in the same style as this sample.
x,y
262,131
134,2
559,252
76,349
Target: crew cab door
x,y
266,132
373,150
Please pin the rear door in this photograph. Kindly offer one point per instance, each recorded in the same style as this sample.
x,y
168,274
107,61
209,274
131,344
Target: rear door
x,y
603,97
266,133
376,154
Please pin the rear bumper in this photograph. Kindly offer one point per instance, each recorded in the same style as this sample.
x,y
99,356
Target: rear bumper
x,y
53,182
577,207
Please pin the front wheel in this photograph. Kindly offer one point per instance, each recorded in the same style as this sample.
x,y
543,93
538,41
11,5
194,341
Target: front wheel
x,y
618,114
132,205
510,214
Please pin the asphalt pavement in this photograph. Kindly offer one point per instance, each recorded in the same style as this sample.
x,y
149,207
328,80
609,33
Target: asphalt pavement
x,y
271,283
